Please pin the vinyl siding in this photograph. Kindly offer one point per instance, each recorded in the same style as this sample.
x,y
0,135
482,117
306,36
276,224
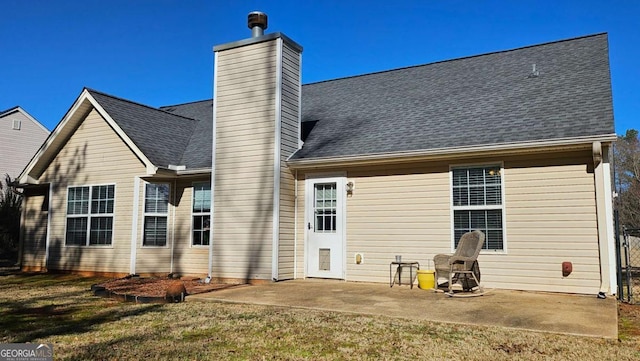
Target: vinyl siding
x,y
550,218
34,228
93,155
18,146
188,259
244,158
289,135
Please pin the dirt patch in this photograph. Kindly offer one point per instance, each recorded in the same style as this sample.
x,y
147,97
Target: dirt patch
x,y
157,287
628,320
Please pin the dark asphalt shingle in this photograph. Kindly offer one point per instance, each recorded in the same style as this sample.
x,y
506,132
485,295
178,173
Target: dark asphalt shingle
x,y
480,100
474,101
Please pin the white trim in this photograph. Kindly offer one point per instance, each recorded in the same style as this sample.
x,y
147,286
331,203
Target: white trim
x,y
172,209
340,178
72,118
27,115
502,205
295,225
48,237
213,162
608,196
277,145
195,214
451,152
135,216
154,214
300,142
90,215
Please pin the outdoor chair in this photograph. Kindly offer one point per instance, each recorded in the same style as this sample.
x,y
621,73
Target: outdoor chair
x,y
462,266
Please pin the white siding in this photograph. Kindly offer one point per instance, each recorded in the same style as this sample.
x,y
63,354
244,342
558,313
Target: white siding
x,y
18,146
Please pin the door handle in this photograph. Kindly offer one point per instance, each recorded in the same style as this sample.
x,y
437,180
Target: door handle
x,y
309,225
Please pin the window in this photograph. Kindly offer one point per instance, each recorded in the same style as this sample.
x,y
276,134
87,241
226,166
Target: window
x,y
156,210
201,210
325,207
478,204
90,215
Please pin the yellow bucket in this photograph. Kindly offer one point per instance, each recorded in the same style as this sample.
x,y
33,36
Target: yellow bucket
x,y
426,279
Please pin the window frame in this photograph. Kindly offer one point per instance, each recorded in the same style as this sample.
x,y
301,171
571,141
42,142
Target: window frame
x,y
195,214
502,206
146,214
89,215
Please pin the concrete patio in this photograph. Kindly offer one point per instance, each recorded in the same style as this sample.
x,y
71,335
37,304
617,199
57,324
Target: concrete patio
x,y
583,315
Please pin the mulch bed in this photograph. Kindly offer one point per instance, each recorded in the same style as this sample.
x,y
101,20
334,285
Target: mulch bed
x,y
157,287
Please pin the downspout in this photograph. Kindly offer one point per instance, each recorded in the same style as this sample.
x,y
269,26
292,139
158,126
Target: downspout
x,y
604,211
173,224
134,224
295,225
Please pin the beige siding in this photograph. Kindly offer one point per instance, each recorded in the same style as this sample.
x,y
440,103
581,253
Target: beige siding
x,y
188,259
405,210
244,158
17,146
34,228
93,155
289,135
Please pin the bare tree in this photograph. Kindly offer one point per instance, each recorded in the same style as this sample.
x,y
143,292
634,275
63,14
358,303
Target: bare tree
x,y
627,177
10,206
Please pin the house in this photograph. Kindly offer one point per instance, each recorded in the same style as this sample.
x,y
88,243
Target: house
x,y
20,137
272,180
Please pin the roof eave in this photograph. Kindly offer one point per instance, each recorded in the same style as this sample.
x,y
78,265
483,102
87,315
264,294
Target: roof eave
x,y
452,152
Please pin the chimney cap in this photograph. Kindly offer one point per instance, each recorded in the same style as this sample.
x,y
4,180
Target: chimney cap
x,y
257,18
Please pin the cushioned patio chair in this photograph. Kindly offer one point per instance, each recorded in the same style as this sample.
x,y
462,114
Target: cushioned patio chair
x,y
462,266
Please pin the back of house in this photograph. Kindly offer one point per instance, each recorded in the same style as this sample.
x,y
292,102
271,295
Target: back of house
x,y
274,180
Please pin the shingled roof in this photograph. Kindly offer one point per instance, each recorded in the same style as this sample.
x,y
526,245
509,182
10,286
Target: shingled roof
x,y
488,99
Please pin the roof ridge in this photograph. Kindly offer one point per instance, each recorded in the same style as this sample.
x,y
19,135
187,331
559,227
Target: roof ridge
x,y
187,103
460,58
138,104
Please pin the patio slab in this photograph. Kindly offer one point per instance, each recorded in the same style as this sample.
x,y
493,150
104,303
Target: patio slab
x,y
583,315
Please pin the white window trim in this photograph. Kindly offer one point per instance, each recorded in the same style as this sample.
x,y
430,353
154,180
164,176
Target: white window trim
x,y
193,214
146,214
88,216
16,124
503,206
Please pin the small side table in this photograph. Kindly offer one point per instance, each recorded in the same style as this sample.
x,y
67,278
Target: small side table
x,y
399,265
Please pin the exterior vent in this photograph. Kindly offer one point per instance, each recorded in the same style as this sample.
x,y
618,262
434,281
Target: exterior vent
x,y
257,22
17,124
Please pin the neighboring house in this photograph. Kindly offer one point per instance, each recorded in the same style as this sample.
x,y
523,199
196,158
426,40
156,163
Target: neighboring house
x,y
20,137
515,143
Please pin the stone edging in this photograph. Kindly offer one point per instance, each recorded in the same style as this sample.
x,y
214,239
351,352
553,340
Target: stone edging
x,y
101,291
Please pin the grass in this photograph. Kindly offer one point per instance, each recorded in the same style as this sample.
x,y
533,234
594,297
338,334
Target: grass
x,y
59,309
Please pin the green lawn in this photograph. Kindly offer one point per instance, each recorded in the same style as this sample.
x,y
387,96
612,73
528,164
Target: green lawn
x,y
59,309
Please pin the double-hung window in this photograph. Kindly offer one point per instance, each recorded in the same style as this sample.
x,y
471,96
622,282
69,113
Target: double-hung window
x,y
478,204
90,215
156,211
201,210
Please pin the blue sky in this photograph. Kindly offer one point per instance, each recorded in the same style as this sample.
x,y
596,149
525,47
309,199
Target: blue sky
x,y
159,52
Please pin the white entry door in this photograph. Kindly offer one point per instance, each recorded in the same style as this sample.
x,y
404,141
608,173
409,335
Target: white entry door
x,y
325,217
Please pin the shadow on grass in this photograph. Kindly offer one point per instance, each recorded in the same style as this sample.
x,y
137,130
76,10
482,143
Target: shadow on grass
x,y
33,307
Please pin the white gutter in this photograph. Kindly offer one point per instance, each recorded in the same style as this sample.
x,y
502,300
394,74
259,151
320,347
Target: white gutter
x,y
134,224
450,152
